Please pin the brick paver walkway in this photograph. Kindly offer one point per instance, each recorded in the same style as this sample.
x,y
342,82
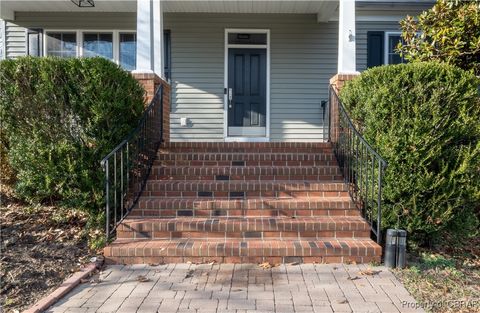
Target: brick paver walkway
x,y
225,288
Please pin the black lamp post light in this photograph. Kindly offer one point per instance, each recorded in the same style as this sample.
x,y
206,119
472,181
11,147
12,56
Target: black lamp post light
x,y
84,3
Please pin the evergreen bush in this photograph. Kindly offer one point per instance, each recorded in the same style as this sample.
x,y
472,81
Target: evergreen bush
x,y
61,116
424,119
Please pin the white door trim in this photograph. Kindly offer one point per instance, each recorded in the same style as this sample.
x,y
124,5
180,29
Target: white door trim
x,y
225,97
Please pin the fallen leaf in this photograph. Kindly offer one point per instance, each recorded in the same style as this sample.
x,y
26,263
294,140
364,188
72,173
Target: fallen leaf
x,y
142,279
189,274
353,278
342,301
369,272
267,265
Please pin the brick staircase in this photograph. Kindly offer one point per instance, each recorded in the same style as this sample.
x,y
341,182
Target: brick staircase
x,y
244,202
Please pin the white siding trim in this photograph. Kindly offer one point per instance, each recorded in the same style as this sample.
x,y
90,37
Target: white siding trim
x,y
3,40
225,96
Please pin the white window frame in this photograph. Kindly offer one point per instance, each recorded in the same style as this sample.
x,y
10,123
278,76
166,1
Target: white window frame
x,y
225,96
387,35
79,34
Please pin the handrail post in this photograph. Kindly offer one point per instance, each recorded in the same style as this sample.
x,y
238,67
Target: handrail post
x,y
107,199
379,201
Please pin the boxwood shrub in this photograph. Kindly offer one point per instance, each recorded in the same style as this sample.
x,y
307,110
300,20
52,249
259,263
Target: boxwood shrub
x,y
60,117
424,119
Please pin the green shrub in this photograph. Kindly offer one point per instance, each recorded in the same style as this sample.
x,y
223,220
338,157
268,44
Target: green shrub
x,y
424,119
61,116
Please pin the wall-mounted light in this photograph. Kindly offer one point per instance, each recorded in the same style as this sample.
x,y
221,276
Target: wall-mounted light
x,y
84,3
351,37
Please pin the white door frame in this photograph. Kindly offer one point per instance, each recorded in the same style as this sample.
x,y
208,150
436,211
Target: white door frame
x,y
225,96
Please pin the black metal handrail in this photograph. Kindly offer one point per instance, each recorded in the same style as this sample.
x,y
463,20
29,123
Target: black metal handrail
x,y
362,167
128,165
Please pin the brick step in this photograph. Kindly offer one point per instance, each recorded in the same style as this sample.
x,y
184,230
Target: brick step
x,y
328,250
242,147
244,227
198,207
243,163
245,186
222,173
225,156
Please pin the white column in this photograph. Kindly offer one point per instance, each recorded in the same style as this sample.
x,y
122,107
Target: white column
x,y
158,38
145,38
346,37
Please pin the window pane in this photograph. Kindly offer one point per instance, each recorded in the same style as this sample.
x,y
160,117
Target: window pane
x,y
69,45
62,44
128,51
247,39
98,44
393,56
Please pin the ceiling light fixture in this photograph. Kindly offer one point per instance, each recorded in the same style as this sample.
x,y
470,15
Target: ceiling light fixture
x,y
84,3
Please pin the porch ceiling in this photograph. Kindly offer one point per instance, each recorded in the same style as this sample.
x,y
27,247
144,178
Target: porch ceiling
x,y
324,8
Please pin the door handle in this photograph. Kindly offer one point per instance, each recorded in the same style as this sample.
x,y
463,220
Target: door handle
x,y
230,96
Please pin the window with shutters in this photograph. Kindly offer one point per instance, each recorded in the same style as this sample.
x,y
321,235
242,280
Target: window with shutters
x,y
392,39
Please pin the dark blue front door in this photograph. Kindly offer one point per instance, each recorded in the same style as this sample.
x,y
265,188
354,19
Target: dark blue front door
x,y
247,89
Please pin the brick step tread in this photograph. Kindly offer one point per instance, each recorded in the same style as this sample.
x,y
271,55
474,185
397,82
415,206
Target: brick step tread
x,y
256,203
246,145
249,224
243,247
255,156
221,173
243,163
267,207
287,185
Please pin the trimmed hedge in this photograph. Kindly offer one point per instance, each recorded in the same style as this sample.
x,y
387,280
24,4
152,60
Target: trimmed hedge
x,y
61,116
424,119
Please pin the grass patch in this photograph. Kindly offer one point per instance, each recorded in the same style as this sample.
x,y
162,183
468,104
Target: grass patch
x,y
445,278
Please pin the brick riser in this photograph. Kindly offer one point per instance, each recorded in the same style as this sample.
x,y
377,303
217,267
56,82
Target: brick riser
x,y
248,251
244,228
249,189
250,173
244,202
173,207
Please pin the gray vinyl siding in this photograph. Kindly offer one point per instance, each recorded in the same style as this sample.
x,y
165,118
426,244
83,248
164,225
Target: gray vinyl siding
x,y
361,38
15,31
14,40
303,59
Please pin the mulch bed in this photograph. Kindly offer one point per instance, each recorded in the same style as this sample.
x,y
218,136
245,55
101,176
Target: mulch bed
x,y
40,247
445,278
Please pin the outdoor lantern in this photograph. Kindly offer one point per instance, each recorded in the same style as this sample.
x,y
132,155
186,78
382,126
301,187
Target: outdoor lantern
x,y
401,247
395,248
84,3
390,248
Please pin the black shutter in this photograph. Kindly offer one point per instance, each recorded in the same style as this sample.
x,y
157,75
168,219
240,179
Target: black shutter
x,y
34,40
167,55
375,48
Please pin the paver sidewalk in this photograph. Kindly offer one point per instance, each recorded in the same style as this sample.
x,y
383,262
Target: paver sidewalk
x,y
239,288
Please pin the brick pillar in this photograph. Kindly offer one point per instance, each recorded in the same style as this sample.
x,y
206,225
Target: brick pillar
x,y
337,82
166,110
150,82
